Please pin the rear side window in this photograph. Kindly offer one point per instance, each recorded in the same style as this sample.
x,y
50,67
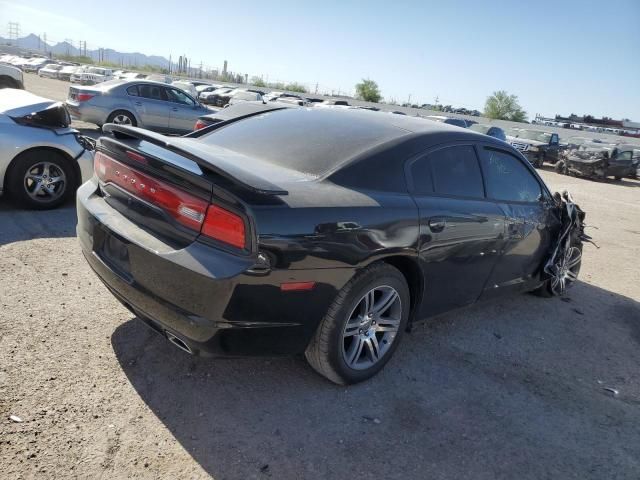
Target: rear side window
x,y
152,91
133,90
421,177
456,172
507,178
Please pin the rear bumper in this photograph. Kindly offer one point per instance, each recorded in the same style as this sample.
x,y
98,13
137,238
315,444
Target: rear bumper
x,y
86,113
205,297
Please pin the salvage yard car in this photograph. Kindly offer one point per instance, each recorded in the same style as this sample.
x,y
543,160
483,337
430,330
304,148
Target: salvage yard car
x,y
323,231
42,159
11,77
538,147
50,70
93,76
600,161
153,105
490,130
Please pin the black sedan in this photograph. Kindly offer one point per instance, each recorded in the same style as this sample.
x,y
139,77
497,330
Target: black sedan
x,y
318,231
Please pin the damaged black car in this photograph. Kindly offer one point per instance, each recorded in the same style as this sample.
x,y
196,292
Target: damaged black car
x,y
320,232
600,161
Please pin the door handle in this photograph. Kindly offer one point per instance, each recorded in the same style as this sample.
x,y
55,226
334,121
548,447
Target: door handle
x,y
436,224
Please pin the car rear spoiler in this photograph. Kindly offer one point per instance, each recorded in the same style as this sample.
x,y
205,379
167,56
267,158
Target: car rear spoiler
x,y
234,173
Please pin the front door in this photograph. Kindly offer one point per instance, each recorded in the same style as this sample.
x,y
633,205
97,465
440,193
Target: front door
x,y
184,111
529,217
461,234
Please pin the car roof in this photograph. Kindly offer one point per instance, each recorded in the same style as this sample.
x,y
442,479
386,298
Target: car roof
x,y
324,140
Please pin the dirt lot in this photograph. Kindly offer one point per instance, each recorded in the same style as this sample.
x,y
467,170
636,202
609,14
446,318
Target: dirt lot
x,y
512,389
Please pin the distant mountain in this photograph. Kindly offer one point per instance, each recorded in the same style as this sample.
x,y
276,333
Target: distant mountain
x,y
32,42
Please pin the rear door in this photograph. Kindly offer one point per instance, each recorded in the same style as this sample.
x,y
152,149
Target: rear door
x,y
461,233
529,218
151,106
184,111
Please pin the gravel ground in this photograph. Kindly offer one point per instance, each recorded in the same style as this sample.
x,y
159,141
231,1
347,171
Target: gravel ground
x,y
514,388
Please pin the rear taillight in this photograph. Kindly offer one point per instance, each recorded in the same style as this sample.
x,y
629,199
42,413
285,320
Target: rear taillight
x,y
225,226
193,212
199,124
184,207
83,97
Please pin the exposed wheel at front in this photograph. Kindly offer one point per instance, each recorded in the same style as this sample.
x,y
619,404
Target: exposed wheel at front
x,y
363,326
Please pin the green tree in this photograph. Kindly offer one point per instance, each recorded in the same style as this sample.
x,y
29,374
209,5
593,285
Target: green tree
x,y
295,87
368,91
258,82
502,106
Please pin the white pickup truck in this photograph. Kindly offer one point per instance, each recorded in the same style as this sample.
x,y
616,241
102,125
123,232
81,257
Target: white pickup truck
x,y
92,75
11,77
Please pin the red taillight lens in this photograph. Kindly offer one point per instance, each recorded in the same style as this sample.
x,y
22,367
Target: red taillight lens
x,y
199,124
211,220
83,97
224,226
185,208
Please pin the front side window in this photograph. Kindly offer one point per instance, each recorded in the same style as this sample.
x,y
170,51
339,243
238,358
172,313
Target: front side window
x,y
507,178
456,172
624,156
177,96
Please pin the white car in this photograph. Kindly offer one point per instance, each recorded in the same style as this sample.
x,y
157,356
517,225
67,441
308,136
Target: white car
x,y
42,159
11,77
35,64
51,70
93,76
187,87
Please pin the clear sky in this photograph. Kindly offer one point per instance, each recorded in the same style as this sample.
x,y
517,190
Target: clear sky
x,y
559,56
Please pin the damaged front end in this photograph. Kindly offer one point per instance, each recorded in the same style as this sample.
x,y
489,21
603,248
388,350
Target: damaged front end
x,y
565,260
592,163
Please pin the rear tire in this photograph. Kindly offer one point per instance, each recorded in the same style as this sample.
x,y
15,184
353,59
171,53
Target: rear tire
x,y
41,179
122,117
363,326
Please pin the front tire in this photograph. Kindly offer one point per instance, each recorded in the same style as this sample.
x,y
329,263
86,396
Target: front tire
x,y
122,117
41,179
363,326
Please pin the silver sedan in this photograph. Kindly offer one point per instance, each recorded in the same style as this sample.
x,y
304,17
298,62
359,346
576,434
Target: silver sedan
x,y
146,104
42,160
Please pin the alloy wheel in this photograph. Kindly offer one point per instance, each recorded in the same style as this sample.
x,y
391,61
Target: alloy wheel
x,y
567,271
45,182
122,119
371,328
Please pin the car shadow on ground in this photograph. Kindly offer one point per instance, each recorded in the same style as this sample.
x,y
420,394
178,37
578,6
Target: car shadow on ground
x,y
17,224
513,388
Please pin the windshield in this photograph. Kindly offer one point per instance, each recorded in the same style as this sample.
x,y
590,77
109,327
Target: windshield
x,y
99,71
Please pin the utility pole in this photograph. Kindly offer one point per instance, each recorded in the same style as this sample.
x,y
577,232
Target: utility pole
x,y
45,42
316,88
409,100
14,31
69,43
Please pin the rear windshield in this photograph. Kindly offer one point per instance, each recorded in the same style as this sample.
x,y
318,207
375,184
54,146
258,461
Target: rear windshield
x,y
309,141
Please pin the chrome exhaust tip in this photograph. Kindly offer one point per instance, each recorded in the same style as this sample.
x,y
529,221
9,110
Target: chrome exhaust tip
x,y
178,343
